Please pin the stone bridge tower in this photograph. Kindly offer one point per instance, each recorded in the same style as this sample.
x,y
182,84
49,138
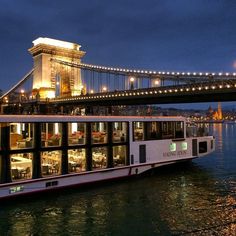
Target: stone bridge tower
x,y
51,78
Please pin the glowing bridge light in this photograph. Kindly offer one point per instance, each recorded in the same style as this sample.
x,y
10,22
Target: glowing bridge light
x,y
131,79
56,43
104,89
157,82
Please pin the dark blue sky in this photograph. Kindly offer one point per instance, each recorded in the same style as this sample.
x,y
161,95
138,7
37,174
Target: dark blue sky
x,y
171,35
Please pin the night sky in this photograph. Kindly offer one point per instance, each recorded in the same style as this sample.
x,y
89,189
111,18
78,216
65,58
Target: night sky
x,y
167,35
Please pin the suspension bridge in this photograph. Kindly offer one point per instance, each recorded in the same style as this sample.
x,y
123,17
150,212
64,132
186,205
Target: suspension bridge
x,y
59,78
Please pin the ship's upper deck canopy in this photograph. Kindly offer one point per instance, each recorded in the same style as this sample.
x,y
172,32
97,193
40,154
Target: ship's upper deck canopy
x,y
69,118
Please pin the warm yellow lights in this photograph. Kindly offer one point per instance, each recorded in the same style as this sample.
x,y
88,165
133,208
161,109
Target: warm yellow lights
x,y
6,99
129,72
156,82
104,89
131,79
56,43
49,94
56,128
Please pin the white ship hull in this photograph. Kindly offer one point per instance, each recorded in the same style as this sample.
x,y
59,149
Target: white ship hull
x,y
141,152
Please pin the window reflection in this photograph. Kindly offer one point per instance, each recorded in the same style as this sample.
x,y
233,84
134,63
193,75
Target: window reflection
x,y
138,131
21,166
156,130
153,130
167,130
99,132
179,129
21,135
76,160
119,155
76,133
99,157
51,134
51,163
119,132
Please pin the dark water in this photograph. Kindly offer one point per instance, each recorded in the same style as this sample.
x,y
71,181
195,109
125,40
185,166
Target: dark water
x,y
197,198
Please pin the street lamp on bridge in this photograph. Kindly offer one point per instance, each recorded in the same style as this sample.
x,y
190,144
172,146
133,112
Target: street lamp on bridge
x,y
22,95
156,83
104,89
5,100
131,80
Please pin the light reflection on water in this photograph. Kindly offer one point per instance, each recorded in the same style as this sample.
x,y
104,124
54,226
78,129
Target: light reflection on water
x,y
196,198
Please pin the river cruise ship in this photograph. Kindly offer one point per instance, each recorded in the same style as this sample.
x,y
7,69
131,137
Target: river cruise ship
x,y
43,153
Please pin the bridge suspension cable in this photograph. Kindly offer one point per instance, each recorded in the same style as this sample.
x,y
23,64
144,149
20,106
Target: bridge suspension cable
x,y
25,78
183,76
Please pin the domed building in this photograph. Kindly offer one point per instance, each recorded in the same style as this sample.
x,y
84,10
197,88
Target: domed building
x,y
215,115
